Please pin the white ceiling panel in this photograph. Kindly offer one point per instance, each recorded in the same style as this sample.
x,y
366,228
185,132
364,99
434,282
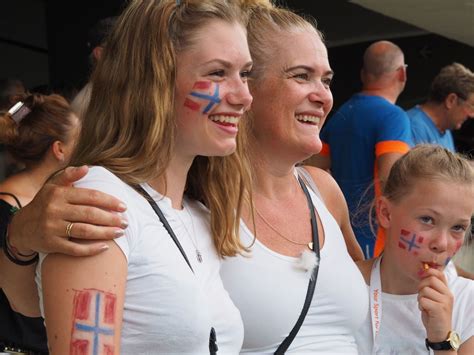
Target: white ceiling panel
x,y
453,19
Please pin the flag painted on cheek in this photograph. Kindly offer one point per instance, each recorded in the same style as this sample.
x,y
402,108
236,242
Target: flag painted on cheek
x,y
93,323
203,97
409,241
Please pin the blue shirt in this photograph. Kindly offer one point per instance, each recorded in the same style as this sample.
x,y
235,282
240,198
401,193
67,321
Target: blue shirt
x,y
364,128
424,130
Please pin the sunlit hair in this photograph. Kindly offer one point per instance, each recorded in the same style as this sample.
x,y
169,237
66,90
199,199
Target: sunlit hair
x,y
51,119
427,162
266,23
454,78
129,126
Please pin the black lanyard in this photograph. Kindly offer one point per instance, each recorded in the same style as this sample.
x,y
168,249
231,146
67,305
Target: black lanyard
x,y
163,220
312,282
212,336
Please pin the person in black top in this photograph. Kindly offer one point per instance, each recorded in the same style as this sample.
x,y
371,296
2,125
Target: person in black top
x,y
40,132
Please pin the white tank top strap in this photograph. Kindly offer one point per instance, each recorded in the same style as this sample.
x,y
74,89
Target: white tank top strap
x,y
308,180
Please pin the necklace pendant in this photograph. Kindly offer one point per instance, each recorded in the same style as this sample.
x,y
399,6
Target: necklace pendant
x,y
310,246
198,256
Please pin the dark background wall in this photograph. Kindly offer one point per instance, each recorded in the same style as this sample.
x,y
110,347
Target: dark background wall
x,y
348,29
43,42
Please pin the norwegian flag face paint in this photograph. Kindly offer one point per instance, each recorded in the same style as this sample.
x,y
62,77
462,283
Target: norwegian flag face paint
x,y
203,97
94,322
410,242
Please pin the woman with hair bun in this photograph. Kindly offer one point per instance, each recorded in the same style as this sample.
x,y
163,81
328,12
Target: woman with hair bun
x,y
39,132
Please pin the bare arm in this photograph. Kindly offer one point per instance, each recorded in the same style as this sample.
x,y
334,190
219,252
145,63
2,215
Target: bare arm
x,y
336,204
41,226
83,295
466,348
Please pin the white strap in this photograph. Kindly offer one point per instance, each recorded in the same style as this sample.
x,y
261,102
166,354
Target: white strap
x,y
375,300
308,179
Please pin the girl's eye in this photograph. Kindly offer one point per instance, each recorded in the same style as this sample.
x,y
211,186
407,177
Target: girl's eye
x,y
245,74
219,73
426,219
459,228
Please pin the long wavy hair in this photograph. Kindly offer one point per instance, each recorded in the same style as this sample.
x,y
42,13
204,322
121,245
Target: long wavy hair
x,y
129,126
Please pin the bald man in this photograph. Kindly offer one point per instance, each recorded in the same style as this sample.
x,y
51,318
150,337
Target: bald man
x,y
366,136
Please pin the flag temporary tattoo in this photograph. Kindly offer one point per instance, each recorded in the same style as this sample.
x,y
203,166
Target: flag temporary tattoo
x,y
93,323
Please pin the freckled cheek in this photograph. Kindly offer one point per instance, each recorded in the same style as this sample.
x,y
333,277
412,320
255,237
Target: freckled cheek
x,y
457,245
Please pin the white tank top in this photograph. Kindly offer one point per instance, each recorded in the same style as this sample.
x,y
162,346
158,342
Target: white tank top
x,y
269,291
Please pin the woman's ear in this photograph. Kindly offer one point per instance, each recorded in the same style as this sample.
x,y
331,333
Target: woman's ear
x,y
383,210
57,148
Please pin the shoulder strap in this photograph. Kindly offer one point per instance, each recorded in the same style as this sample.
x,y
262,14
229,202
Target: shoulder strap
x,y
14,197
212,336
163,220
308,179
312,282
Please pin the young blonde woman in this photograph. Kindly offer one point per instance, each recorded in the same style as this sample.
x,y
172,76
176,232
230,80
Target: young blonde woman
x,y
168,94
40,132
417,307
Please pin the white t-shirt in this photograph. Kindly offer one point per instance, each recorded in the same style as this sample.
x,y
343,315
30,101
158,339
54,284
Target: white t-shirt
x,y
401,329
269,291
167,308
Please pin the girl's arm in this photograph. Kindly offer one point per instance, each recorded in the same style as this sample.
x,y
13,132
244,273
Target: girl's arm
x,y
435,302
466,348
41,226
83,299
336,204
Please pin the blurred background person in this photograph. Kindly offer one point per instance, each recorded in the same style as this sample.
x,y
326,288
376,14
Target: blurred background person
x,y
450,103
97,36
11,90
366,136
40,134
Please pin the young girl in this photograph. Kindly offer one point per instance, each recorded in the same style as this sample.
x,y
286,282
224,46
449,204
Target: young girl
x,y
415,307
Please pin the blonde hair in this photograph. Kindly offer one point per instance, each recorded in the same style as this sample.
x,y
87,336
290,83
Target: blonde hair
x,y
429,162
266,21
129,126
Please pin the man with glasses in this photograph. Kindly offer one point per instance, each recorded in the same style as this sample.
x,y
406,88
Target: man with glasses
x,y
450,103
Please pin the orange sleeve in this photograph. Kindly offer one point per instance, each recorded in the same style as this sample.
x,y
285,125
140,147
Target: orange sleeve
x,y
326,151
391,147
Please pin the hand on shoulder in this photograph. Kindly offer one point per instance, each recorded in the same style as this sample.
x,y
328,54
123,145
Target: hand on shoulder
x,y
42,224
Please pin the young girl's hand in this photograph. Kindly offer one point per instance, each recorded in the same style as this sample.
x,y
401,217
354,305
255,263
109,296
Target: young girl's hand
x,y
435,302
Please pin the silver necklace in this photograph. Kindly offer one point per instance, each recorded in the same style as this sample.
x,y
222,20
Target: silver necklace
x,y
194,241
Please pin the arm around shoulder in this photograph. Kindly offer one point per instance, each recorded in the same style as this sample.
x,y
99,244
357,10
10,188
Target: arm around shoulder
x,y
83,300
337,206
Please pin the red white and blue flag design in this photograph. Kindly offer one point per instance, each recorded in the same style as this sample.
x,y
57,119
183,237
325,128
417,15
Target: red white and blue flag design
x,y
409,241
93,324
203,97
